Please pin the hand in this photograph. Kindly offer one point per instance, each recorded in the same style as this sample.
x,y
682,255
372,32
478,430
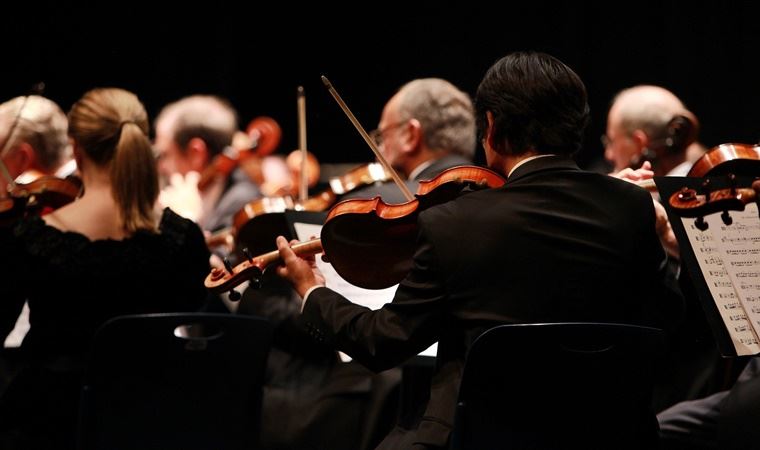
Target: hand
x,y
302,273
642,173
182,196
665,231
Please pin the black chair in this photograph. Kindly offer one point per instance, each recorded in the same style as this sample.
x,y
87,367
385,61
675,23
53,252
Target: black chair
x,y
737,426
175,381
557,386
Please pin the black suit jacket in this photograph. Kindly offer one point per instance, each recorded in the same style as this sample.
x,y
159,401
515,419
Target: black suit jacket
x,y
553,244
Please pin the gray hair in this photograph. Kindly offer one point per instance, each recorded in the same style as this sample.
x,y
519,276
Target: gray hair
x,y
210,118
649,108
445,113
41,124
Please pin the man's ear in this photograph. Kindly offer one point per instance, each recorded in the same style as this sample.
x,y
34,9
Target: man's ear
x,y
488,136
20,159
640,138
642,142
414,138
197,154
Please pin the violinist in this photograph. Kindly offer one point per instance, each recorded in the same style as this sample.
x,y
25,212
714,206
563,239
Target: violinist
x,y
39,144
649,123
36,146
106,254
427,127
189,133
548,246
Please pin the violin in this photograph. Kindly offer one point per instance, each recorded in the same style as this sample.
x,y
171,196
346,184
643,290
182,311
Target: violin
x,y
687,202
370,243
42,195
38,197
262,136
738,159
257,222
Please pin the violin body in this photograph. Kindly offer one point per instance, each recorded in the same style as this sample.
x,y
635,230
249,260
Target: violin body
x,y
738,159
45,194
371,243
50,192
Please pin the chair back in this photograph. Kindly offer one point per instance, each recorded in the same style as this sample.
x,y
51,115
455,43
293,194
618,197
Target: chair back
x,y
175,381
559,385
737,427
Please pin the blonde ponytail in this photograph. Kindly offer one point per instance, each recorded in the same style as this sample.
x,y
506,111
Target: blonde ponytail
x,y
111,126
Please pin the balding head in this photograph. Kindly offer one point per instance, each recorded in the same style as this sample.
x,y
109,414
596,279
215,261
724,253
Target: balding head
x,y
645,107
648,122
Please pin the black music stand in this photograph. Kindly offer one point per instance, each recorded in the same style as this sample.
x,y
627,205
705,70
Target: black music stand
x,y
667,186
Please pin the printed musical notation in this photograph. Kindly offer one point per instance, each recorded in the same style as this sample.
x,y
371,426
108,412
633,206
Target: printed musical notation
x,y
741,227
729,258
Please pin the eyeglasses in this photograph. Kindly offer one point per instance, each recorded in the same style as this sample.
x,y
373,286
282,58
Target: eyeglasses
x,y
377,135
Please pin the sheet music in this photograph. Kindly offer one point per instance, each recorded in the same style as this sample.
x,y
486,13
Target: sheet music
x,y
729,258
371,298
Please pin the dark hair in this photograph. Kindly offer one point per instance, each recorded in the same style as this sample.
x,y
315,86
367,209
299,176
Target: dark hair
x,y
537,102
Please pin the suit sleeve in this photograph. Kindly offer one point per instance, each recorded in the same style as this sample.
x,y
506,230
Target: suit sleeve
x,y
383,338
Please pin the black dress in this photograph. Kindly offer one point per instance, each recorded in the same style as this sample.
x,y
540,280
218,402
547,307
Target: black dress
x,y
73,285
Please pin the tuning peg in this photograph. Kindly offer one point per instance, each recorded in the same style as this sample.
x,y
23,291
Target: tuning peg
x,y
687,195
706,188
247,254
228,265
701,224
732,184
727,220
234,295
255,283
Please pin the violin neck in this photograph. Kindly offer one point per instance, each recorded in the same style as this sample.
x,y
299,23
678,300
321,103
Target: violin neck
x,y
649,185
302,249
306,248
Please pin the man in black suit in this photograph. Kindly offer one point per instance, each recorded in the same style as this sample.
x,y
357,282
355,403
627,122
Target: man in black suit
x,y
553,244
428,126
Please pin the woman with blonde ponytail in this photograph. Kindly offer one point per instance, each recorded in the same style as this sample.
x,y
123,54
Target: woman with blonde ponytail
x,y
106,254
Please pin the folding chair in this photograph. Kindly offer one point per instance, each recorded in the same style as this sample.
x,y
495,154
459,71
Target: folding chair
x,y
175,381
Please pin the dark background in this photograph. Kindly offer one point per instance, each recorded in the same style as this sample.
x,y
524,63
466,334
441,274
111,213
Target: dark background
x,y
256,55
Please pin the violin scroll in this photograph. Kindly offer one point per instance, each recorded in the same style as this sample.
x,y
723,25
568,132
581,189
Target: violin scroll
x,y
688,202
261,137
265,134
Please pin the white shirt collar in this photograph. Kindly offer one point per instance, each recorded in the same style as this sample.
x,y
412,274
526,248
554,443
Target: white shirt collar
x,y
530,158
417,170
